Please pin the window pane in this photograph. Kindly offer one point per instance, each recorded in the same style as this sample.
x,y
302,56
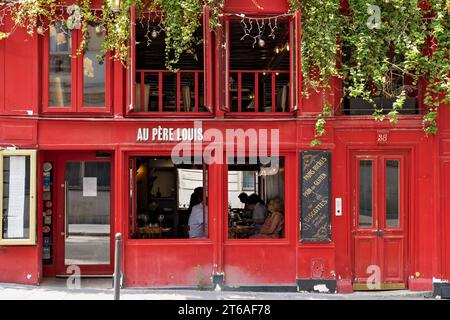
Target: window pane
x,y
170,200
294,64
365,193
60,66
88,226
392,193
94,72
255,199
16,197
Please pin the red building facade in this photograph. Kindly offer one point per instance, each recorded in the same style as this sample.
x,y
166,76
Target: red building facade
x,y
71,128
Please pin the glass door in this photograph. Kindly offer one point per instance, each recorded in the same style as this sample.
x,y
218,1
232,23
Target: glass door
x,y
86,219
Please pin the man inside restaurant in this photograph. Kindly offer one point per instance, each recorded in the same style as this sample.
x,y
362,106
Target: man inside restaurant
x,y
259,211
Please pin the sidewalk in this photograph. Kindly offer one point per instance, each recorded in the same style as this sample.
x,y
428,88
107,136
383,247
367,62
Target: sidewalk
x,y
101,289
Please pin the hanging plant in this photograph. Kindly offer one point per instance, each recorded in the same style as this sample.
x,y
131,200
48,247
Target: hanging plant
x,y
181,21
370,59
27,13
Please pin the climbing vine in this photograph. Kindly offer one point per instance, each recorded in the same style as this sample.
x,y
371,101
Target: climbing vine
x,y
372,46
181,20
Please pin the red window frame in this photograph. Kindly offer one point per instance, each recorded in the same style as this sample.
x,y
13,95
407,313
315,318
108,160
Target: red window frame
x,y
207,76
295,75
76,105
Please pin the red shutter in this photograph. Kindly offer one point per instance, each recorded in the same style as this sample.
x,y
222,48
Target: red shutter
x,y
296,62
207,60
131,74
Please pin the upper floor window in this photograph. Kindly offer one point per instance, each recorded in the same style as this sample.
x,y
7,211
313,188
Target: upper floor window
x,y
154,88
384,100
259,64
75,82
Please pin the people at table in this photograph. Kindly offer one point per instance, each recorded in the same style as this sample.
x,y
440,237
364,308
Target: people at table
x,y
198,227
274,223
259,211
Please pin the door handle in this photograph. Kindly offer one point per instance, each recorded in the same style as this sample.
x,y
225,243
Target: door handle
x,y
380,233
66,206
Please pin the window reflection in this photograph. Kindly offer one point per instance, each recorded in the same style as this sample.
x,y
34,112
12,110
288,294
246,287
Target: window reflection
x,y
392,193
365,193
94,72
60,66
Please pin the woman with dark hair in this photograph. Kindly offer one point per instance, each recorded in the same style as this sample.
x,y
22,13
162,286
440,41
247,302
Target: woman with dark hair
x,y
195,198
198,218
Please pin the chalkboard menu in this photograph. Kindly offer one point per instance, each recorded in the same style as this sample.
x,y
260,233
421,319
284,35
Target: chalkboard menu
x,y
315,196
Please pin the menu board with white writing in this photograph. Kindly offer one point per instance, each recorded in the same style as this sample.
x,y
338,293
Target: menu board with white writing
x,y
315,196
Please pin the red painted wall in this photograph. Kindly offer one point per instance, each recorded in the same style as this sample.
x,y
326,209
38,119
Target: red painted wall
x,y
175,263
18,72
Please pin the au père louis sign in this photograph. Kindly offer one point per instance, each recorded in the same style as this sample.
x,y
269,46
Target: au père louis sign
x,y
165,134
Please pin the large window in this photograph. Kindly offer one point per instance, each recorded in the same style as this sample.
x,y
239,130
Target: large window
x,y
255,199
18,193
75,82
156,89
258,64
168,201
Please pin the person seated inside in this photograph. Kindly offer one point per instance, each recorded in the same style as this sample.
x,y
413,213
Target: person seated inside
x,y
256,205
197,227
274,223
243,197
154,212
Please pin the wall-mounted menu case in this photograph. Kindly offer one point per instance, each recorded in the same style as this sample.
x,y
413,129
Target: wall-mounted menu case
x,y
47,198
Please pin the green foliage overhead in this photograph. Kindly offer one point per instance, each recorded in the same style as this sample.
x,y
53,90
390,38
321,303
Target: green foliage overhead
x,y
370,60
337,42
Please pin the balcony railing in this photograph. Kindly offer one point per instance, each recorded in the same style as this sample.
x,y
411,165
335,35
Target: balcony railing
x,y
259,91
165,91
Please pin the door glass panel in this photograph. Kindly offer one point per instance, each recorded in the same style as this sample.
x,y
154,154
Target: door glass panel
x,y
365,193
392,193
87,213
94,71
59,94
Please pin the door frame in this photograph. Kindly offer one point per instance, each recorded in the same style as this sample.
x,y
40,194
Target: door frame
x,y
405,215
86,270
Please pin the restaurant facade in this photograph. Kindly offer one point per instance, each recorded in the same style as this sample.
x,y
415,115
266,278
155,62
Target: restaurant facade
x,y
90,150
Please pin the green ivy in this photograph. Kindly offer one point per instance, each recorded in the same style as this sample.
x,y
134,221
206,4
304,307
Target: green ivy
x,y
181,19
335,43
339,43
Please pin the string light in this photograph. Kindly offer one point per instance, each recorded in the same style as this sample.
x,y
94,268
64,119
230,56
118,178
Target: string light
x,y
150,19
251,24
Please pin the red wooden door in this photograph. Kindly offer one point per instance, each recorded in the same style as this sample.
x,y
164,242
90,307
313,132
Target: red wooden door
x,y
379,191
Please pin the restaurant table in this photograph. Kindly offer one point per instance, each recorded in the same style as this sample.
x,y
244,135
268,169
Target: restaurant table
x,y
153,232
240,232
